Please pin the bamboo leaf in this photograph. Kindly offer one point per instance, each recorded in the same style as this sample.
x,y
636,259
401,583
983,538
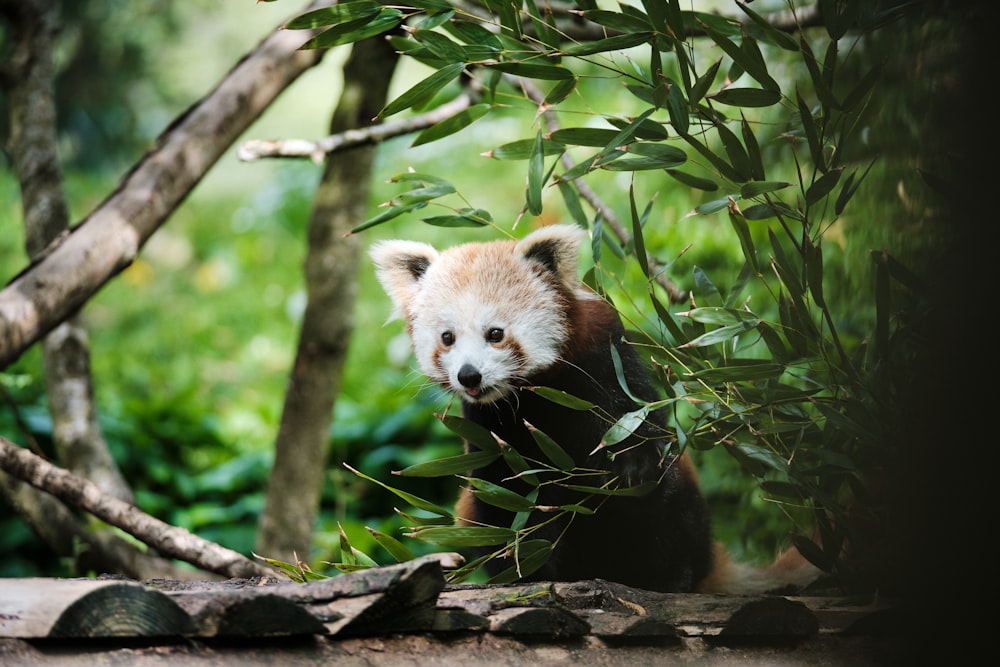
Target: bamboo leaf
x,y
471,432
519,466
560,91
704,82
421,195
694,181
473,34
385,216
677,109
742,229
819,82
469,217
399,552
536,175
739,372
551,449
812,135
813,256
339,13
756,458
647,129
450,465
534,71
734,151
746,97
431,6
356,30
616,360
720,316
423,91
617,43
416,501
584,136
640,246
522,149
498,496
463,536
617,21
720,335
625,426
721,165
450,126
572,202
823,186
562,398
757,188
440,45
753,151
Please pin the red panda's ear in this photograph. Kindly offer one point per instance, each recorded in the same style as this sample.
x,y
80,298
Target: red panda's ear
x,y
556,248
399,266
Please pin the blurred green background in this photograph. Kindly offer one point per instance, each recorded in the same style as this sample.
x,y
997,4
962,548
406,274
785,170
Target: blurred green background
x,y
192,344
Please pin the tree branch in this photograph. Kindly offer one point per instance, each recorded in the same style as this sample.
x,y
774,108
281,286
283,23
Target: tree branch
x,y
91,546
168,540
317,150
75,266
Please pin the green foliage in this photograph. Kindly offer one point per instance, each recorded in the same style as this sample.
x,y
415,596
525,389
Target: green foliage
x,y
759,368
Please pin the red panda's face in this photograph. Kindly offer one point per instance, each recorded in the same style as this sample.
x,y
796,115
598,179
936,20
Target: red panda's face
x,y
483,321
484,318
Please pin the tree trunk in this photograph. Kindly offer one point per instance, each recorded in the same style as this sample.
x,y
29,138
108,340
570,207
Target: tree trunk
x,y
294,488
69,266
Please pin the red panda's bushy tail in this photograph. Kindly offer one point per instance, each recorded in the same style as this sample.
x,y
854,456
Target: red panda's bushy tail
x,y
790,570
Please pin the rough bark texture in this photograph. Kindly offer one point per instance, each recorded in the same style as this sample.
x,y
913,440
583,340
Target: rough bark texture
x,y
30,82
293,493
70,270
168,540
404,614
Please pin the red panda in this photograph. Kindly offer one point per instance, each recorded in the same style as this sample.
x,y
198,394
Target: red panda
x,y
489,320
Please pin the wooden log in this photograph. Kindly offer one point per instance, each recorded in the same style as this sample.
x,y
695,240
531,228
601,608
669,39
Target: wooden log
x,y
85,608
411,598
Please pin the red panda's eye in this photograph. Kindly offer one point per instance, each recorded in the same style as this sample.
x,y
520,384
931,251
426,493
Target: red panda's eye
x,y
494,335
448,338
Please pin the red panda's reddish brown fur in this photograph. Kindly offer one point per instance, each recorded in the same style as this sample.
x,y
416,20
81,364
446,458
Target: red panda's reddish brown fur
x,y
490,320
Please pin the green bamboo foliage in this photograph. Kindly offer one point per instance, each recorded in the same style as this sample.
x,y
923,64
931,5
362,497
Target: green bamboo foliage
x,y
772,384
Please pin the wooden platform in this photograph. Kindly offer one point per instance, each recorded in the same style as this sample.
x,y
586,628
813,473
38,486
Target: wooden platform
x,y
405,614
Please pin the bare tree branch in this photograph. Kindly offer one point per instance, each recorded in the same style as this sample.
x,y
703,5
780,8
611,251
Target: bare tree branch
x,y
74,267
91,546
317,150
168,540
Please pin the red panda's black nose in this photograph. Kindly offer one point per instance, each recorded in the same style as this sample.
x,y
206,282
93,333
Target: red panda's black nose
x,y
469,376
